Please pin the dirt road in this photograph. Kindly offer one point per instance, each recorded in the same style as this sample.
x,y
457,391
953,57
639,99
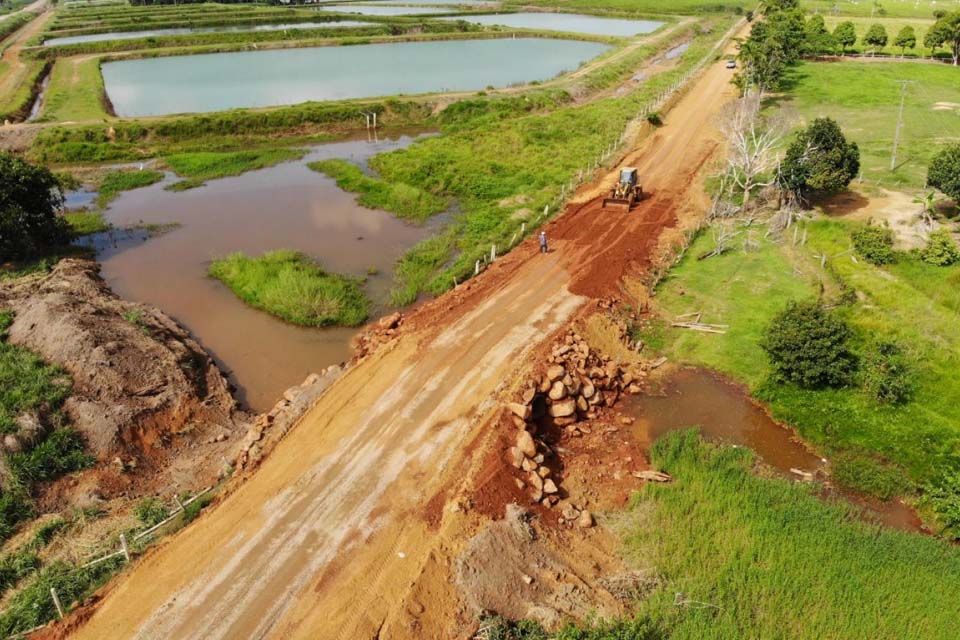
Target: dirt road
x,y
328,535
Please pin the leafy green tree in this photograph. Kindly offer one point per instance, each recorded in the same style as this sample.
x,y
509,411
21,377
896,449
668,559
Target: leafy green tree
x,y
819,162
810,346
845,35
932,40
946,31
944,172
876,38
906,39
941,249
30,203
819,40
773,44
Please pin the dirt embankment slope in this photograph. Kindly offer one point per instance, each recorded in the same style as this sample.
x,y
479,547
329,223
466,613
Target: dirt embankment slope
x,y
352,527
145,395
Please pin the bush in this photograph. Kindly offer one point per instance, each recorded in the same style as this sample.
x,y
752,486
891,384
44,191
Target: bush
x,y
809,346
150,511
820,161
887,376
874,243
944,497
30,202
944,172
941,249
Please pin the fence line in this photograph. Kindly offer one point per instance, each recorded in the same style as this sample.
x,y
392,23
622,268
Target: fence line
x,y
568,189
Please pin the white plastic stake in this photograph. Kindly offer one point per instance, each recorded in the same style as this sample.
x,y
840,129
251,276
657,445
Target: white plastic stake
x,y
56,602
123,545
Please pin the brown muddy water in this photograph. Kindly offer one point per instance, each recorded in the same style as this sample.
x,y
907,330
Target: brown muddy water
x,y
287,206
723,412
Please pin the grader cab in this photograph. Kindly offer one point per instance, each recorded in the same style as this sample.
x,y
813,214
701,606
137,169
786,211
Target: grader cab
x,y
627,193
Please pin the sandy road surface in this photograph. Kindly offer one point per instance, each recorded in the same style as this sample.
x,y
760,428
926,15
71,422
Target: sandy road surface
x,y
327,535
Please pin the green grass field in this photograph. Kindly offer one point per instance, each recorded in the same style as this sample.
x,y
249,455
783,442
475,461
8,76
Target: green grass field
x,y
774,561
291,286
891,8
909,302
864,98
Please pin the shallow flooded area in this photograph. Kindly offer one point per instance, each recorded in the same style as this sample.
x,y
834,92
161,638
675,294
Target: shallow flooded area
x,y
182,31
219,81
287,206
385,10
723,412
569,22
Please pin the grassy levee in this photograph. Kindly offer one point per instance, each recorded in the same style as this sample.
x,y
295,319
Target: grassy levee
x,y
910,303
75,92
865,98
212,42
225,131
291,286
9,26
496,150
16,105
772,560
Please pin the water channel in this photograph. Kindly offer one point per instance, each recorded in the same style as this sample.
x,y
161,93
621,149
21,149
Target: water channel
x,y
182,31
215,82
287,206
723,412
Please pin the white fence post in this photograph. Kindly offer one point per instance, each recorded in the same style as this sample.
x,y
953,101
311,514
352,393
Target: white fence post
x,y
56,602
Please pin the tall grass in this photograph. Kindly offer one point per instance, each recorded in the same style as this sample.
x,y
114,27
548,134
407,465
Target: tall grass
x,y
291,286
404,200
909,303
773,561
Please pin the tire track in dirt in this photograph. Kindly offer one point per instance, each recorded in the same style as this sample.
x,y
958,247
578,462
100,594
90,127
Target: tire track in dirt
x,y
343,489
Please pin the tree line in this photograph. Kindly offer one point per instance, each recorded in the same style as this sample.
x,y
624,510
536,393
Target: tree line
x,y
784,35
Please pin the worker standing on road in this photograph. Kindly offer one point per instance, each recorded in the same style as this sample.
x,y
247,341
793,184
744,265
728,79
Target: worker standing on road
x,y
543,242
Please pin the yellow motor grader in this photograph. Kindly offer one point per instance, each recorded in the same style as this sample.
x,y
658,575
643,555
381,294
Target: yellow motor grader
x,y
627,193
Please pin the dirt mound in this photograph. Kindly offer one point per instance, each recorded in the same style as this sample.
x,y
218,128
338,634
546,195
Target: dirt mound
x,y
140,382
509,568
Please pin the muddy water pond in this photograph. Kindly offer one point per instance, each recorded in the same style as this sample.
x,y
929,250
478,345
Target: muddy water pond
x,y
287,206
569,22
723,412
384,10
218,81
132,35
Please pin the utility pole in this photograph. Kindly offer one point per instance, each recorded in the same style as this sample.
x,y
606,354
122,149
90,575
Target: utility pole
x,y
896,135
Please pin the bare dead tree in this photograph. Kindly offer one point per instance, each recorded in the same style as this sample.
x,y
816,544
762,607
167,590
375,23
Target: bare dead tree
x,y
752,139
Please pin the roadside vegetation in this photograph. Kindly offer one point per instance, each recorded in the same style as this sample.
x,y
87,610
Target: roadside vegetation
x,y
293,287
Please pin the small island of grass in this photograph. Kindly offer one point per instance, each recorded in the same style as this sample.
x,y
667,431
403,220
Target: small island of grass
x,y
293,287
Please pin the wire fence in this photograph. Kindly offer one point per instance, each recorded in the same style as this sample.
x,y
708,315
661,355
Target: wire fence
x,y
125,549
610,151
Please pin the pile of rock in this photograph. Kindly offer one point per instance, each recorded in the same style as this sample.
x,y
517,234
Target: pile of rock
x,y
377,333
577,385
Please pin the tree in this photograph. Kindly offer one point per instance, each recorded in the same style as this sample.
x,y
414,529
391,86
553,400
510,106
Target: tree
x,y
946,31
30,202
819,162
906,39
751,141
932,41
944,172
773,44
819,40
876,38
810,346
845,35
